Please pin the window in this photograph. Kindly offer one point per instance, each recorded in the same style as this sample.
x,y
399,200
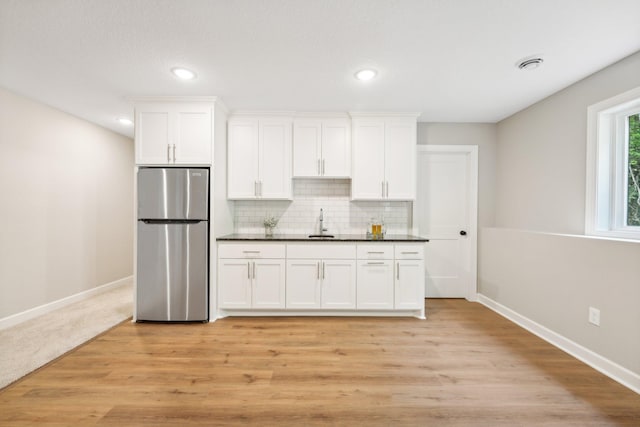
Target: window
x,y
613,167
633,170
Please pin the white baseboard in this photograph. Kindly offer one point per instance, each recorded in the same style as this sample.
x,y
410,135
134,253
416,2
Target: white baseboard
x,y
23,316
611,369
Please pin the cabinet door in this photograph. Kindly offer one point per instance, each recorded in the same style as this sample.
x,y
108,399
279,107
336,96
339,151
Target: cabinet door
x,y
152,139
234,283
409,284
303,284
275,159
375,285
400,159
194,134
306,148
368,160
338,284
268,283
243,156
336,149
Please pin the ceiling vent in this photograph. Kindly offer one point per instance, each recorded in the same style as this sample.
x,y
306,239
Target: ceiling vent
x,y
530,63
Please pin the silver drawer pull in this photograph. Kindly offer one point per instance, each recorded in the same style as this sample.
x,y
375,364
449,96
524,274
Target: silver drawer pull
x,y
372,252
376,263
407,253
250,252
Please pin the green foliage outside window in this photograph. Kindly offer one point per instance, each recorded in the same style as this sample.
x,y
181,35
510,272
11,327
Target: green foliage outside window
x,y
633,189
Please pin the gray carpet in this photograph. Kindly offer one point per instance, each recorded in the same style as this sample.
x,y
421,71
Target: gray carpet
x,y
29,345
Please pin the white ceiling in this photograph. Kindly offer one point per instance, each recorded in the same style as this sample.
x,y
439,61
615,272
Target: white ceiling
x,y
451,60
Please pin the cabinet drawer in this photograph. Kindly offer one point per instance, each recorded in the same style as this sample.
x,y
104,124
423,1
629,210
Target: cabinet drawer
x,y
255,250
375,251
321,251
413,251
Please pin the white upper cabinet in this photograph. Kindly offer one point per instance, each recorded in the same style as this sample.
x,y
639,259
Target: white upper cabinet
x,y
322,148
243,158
384,157
177,132
259,158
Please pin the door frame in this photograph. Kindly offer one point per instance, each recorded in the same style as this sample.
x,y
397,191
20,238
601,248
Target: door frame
x,y
472,233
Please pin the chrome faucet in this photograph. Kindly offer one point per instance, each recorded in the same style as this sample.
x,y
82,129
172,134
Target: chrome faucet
x,y
322,229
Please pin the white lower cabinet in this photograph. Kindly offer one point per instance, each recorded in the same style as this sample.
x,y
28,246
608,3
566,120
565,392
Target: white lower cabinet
x,y
409,285
234,283
317,282
303,283
338,284
410,277
375,285
320,276
268,290
375,277
252,281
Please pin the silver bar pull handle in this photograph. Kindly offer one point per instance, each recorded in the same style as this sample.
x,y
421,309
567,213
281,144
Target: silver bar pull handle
x,y
255,188
375,252
410,253
174,153
323,270
168,153
250,252
382,188
387,188
375,263
248,270
260,188
322,167
318,270
398,271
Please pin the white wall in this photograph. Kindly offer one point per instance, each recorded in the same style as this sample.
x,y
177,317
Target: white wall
x,y
552,280
542,154
66,216
222,208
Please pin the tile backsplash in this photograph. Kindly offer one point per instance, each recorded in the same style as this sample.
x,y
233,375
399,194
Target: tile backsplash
x,y
341,215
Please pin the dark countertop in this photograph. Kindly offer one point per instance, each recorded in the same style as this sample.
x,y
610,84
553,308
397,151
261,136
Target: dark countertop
x,y
407,238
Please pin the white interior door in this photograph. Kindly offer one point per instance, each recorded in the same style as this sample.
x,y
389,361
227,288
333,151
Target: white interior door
x,y
445,212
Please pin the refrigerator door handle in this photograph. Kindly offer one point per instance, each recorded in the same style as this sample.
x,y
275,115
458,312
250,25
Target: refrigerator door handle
x,y
170,221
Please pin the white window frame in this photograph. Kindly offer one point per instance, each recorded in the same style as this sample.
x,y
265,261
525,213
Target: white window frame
x,y
607,175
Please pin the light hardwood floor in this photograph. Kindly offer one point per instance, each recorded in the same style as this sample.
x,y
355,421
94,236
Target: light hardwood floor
x,y
464,365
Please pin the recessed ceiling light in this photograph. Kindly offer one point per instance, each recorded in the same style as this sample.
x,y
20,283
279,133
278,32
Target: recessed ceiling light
x,y
125,121
530,63
366,74
183,73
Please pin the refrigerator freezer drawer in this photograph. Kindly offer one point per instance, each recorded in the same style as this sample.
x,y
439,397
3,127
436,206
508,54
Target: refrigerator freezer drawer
x,y
173,193
172,272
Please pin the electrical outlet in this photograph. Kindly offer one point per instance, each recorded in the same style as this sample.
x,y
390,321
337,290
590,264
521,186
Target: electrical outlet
x,y
594,316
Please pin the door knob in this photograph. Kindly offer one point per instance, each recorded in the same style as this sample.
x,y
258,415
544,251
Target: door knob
x,y
463,233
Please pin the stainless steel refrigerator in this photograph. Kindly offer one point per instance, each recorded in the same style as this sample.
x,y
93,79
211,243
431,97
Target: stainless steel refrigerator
x,y
173,245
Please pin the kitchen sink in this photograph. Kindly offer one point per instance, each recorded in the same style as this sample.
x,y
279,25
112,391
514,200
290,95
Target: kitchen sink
x,y
321,236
